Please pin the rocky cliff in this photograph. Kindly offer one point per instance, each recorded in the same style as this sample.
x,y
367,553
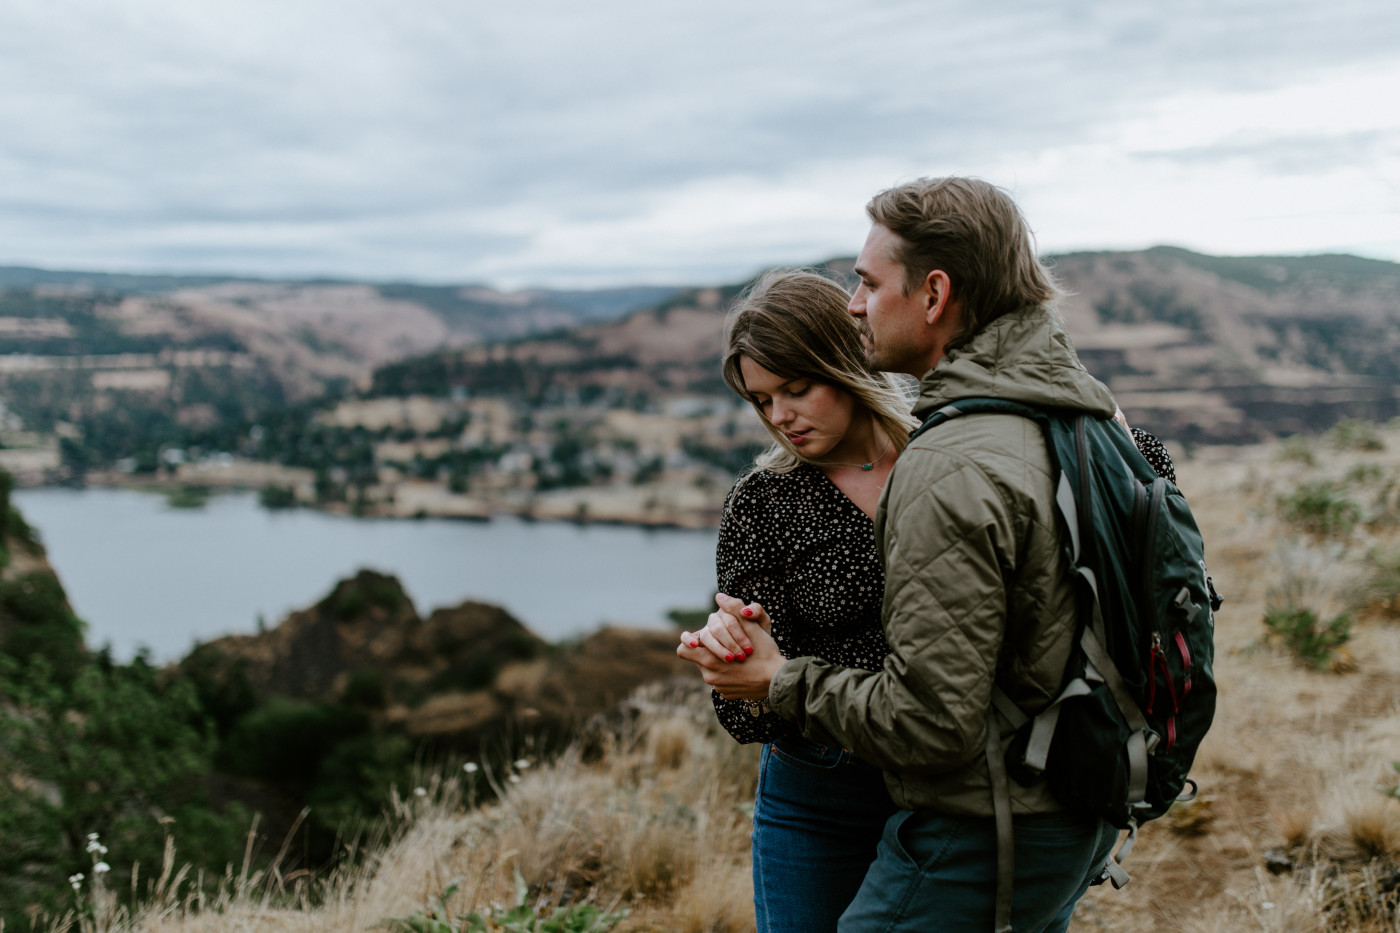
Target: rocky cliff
x,y
453,678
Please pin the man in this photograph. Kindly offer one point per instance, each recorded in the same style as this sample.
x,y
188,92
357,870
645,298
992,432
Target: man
x,y
976,585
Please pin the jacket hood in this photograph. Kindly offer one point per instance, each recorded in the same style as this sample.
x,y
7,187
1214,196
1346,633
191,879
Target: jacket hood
x,y
1026,357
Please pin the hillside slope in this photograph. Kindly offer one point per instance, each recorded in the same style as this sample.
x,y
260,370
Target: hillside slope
x,y
1198,348
1297,828
1212,348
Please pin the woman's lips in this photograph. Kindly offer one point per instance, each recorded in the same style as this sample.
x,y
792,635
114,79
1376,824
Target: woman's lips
x,y
800,437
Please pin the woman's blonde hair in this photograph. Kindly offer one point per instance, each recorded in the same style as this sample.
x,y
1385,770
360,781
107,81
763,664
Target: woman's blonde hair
x,y
794,324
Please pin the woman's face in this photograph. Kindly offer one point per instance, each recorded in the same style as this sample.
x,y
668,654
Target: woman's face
x,y
815,416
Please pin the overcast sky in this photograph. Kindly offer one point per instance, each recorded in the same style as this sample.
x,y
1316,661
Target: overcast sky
x,y
612,142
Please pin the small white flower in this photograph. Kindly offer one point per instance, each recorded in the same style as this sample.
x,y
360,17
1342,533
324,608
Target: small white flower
x,y
469,767
76,880
522,763
101,868
420,792
92,837
515,779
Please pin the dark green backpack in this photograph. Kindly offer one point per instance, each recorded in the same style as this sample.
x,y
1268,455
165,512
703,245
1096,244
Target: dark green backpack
x,y
1138,693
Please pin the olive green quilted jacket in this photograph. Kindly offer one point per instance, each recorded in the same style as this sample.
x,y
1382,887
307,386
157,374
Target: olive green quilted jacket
x,y
976,588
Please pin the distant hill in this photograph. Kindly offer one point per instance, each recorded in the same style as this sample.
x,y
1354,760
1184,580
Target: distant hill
x,y
306,331
118,365
672,348
1214,348
100,368
1198,348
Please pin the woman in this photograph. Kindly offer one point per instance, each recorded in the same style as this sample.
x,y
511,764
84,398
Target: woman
x,y
797,537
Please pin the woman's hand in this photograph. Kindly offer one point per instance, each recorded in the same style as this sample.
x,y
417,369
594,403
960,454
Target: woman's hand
x,y
735,633
723,634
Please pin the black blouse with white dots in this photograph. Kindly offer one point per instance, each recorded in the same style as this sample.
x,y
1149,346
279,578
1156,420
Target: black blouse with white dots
x,y
796,545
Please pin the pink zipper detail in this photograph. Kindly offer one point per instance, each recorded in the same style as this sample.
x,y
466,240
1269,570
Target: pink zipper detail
x,y
1185,663
1151,681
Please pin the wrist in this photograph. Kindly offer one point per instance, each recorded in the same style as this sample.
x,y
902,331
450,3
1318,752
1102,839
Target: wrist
x,y
772,672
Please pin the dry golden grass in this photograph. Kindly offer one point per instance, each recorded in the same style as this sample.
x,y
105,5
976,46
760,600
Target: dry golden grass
x,y
1294,831
650,817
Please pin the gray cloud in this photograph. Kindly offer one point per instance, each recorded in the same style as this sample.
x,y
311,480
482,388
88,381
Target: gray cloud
x,y
362,138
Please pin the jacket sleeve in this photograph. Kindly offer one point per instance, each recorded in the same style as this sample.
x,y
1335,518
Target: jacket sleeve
x,y
742,571
949,545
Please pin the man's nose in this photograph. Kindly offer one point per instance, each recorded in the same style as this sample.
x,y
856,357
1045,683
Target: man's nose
x,y
856,306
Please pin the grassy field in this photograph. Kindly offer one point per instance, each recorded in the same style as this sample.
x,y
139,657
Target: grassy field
x,y
1297,827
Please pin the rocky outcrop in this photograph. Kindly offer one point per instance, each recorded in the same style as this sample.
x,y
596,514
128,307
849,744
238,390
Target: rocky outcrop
x,y
453,678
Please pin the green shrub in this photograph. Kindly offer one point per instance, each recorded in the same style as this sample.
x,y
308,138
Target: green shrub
x,y
365,689
222,685
7,486
1320,508
1385,509
356,776
38,621
13,528
1353,434
1365,474
188,497
521,918
365,591
286,740
277,497
119,750
1314,642
1382,591
1297,449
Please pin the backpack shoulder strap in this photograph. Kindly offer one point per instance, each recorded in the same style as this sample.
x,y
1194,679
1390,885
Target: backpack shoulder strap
x,y
978,406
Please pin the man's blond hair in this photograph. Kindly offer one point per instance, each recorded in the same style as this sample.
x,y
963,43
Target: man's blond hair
x,y
973,231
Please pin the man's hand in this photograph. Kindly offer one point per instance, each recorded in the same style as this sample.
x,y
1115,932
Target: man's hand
x,y
735,633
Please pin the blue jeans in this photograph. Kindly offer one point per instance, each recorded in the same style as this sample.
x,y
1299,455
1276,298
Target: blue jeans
x,y
938,873
817,820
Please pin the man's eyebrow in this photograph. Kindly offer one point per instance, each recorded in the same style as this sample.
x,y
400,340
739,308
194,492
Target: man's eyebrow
x,y
859,271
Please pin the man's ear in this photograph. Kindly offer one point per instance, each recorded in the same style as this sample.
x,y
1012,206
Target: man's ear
x,y
937,291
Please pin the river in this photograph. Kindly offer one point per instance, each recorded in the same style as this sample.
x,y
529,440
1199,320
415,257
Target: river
x,y
143,574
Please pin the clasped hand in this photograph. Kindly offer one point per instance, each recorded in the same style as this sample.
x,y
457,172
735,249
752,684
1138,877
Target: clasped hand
x,y
735,652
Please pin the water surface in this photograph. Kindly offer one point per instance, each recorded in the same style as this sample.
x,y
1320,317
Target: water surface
x,y
144,574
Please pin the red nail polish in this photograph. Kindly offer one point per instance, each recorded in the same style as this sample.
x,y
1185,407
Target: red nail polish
x,y
748,652
728,657
748,611
695,644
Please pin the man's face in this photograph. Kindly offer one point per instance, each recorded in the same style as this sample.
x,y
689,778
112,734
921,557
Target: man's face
x,y
894,326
